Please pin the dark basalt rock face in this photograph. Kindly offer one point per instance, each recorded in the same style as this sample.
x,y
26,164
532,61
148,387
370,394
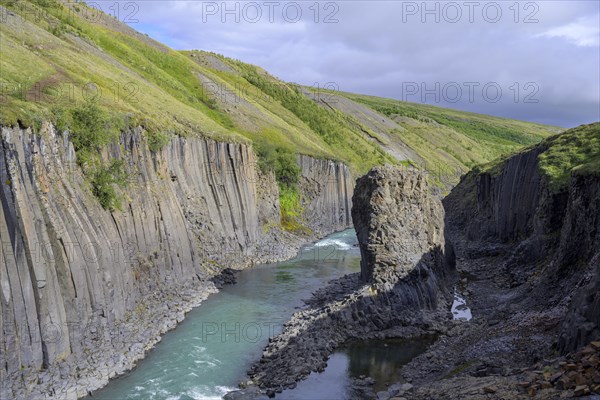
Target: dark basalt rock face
x,y
529,261
396,222
528,254
546,243
579,253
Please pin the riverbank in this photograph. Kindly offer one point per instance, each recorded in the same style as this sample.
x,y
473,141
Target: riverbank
x,y
80,279
212,348
399,293
507,351
113,351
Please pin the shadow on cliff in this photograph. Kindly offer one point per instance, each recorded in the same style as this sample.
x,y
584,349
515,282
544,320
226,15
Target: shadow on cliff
x,y
539,244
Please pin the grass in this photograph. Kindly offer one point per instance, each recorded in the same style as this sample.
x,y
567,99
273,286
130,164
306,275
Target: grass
x,y
349,143
90,126
282,163
155,85
575,151
157,140
132,78
455,140
291,211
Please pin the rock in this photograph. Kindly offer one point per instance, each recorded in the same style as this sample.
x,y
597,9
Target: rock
x,y
246,383
540,249
251,393
398,223
546,385
406,387
570,367
490,389
564,383
399,226
581,391
556,376
383,396
532,390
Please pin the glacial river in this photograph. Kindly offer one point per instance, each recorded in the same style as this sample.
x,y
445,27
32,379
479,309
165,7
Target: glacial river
x,y
209,353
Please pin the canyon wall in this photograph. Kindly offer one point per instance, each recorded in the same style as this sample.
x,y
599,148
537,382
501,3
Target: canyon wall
x,y
579,253
516,239
81,287
544,240
327,187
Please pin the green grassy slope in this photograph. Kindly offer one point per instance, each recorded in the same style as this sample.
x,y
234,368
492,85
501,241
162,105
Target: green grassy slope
x,y
57,56
53,59
575,151
446,137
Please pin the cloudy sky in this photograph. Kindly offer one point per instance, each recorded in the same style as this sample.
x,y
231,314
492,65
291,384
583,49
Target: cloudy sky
x,y
537,61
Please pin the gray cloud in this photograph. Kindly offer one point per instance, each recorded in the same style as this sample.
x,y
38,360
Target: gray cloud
x,y
381,47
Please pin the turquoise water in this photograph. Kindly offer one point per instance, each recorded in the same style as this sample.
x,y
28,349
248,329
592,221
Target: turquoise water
x,y
209,353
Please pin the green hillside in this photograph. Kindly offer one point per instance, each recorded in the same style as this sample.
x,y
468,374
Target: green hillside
x,y
95,76
575,151
445,137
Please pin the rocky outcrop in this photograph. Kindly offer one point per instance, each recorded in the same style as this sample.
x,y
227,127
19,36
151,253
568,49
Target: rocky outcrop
x,y
527,253
400,230
75,277
396,221
507,200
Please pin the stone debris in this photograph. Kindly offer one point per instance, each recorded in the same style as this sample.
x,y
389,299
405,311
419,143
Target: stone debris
x,y
578,373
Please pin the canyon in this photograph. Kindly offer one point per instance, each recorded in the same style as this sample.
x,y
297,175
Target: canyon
x,y
523,253
138,180
85,292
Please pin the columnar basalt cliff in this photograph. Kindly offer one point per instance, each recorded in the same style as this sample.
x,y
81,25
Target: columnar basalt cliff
x,y
523,237
526,237
399,225
547,239
84,291
579,250
328,187
400,229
